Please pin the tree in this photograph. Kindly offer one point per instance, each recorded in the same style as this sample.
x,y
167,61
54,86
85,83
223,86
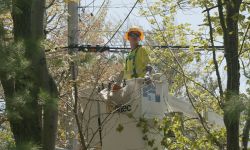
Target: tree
x,y
226,23
30,92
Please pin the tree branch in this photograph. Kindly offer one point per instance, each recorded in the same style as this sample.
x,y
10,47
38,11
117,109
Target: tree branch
x,y
222,19
244,69
53,28
51,3
48,21
245,136
210,8
246,50
214,56
244,38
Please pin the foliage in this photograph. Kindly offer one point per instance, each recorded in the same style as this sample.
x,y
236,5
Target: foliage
x,y
185,79
6,140
4,6
14,60
180,133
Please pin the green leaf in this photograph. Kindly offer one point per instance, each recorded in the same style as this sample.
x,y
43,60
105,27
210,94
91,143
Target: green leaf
x,y
151,142
119,128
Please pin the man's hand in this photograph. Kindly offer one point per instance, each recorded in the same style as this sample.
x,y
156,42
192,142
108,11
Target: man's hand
x,y
115,87
148,79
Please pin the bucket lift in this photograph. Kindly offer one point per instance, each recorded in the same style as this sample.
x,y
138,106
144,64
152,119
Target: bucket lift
x,y
119,112
123,109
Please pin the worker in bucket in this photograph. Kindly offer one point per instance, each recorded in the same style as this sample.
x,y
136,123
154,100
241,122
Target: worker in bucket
x,y
137,61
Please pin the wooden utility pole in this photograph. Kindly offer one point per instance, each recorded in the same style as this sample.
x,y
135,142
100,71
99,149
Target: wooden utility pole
x,y
73,40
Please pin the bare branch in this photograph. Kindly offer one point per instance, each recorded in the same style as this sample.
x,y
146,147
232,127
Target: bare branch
x,y
210,8
222,19
244,38
51,19
91,25
214,56
246,50
51,3
244,69
57,22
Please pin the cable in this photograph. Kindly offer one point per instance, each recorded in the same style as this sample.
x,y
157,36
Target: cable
x,y
88,4
98,48
128,5
89,27
115,7
122,23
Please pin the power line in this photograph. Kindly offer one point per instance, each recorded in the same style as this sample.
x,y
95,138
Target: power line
x,y
115,7
105,45
147,32
88,28
88,5
88,48
118,49
128,5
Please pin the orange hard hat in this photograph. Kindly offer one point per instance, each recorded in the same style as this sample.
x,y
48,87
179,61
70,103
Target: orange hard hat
x,y
135,29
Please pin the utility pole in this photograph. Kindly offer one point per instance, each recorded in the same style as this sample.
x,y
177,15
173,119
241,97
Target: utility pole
x,y
73,40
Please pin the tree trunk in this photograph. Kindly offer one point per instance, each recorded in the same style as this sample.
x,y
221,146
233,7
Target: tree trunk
x,y
231,117
29,124
45,80
24,121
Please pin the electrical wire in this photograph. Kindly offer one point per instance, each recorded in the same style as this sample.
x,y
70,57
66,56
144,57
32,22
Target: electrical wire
x,y
122,23
90,4
128,5
89,27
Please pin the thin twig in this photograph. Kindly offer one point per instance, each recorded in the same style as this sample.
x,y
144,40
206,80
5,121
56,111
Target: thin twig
x,y
210,8
244,38
244,70
51,3
48,21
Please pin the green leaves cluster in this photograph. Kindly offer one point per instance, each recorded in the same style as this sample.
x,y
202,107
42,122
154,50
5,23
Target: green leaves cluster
x,y
6,140
15,63
4,5
178,132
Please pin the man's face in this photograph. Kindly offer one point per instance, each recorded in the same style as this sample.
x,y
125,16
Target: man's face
x,y
134,38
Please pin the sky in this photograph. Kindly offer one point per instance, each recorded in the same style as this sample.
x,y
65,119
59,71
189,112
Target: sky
x,y
2,106
118,10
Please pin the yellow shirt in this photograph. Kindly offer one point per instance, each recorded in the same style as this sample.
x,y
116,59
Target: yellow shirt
x,y
136,62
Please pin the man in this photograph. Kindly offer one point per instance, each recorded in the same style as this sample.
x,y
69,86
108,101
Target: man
x,y
136,64
137,61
